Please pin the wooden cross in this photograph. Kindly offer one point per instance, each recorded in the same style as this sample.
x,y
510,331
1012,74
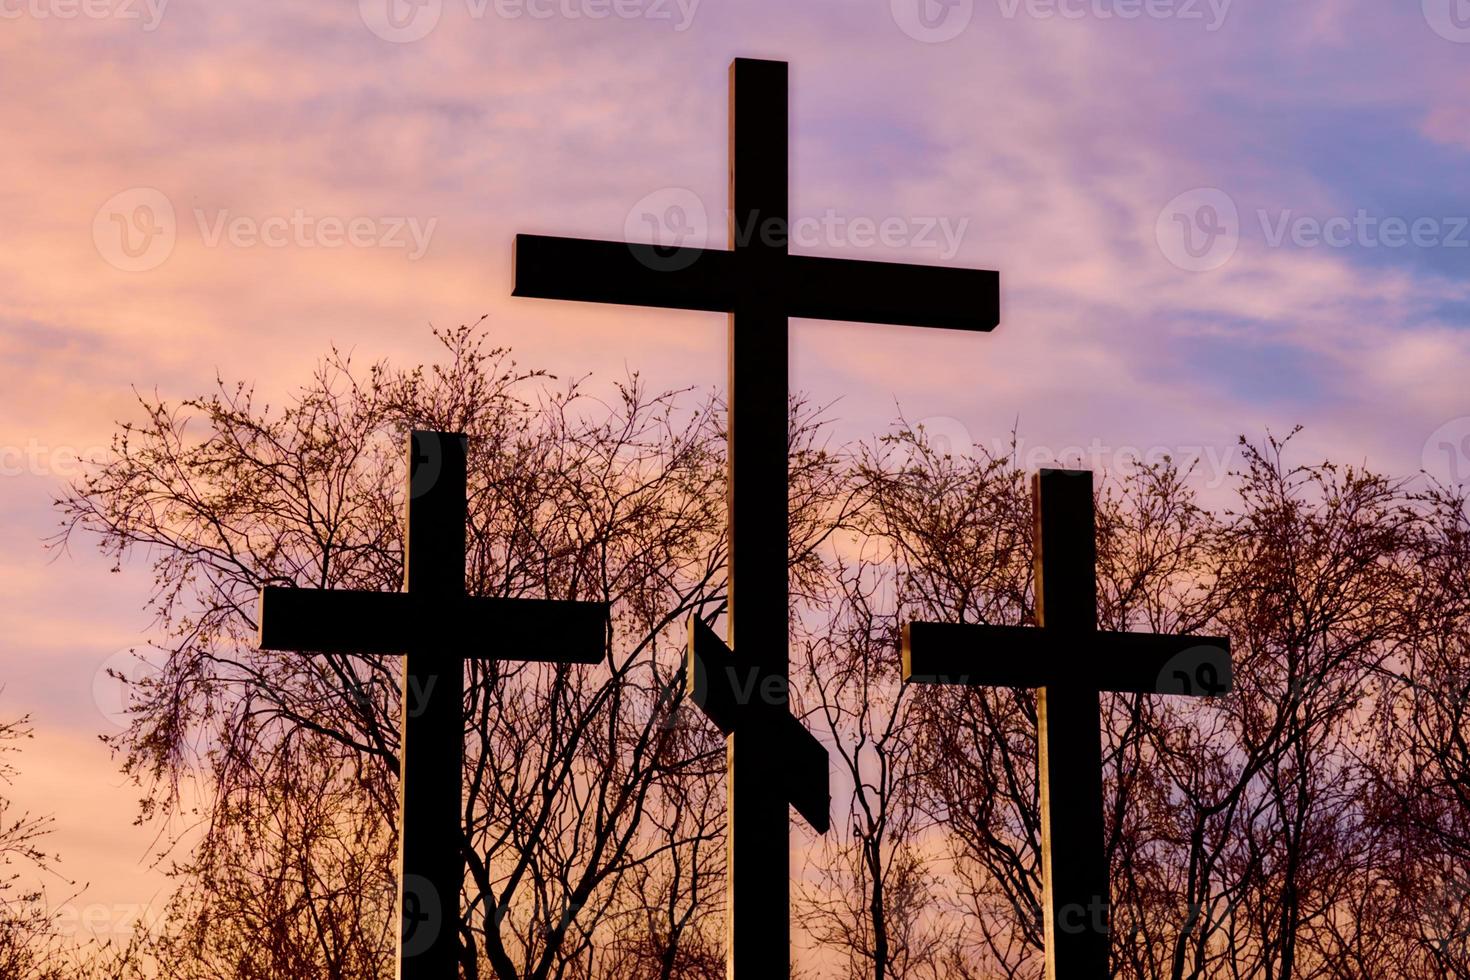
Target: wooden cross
x,y
1070,661
760,285
437,626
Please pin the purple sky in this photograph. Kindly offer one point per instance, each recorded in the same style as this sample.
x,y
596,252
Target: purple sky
x,y
1210,218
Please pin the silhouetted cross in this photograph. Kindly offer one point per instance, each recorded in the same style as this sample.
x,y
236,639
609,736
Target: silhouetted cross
x,y
437,626
771,760
1070,661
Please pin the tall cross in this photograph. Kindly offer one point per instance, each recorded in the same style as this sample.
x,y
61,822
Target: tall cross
x,y
437,626
760,284
1070,661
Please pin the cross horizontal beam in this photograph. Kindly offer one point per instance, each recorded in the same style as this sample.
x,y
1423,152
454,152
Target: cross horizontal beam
x,y
1027,656
348,621
613,272
729,692
707,279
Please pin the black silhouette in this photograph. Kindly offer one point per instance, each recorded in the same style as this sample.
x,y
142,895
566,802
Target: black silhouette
x,y
760,285
1070,661
436,625
720,685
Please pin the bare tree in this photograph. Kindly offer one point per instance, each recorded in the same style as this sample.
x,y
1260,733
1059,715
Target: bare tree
x,y
1243,832
1315,823
873,894
296,757
1420,760
31,947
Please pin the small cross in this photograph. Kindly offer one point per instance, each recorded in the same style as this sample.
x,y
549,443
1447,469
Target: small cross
x,y
1070,661
760,284
437,626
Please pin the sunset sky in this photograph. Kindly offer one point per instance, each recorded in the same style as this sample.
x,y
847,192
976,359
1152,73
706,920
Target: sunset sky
x,y
1210,218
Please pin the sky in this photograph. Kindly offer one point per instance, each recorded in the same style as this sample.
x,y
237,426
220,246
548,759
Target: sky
x,y
1211,218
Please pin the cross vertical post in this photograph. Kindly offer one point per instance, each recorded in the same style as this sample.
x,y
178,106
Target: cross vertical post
x,y
430,831
1069,722
758,826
